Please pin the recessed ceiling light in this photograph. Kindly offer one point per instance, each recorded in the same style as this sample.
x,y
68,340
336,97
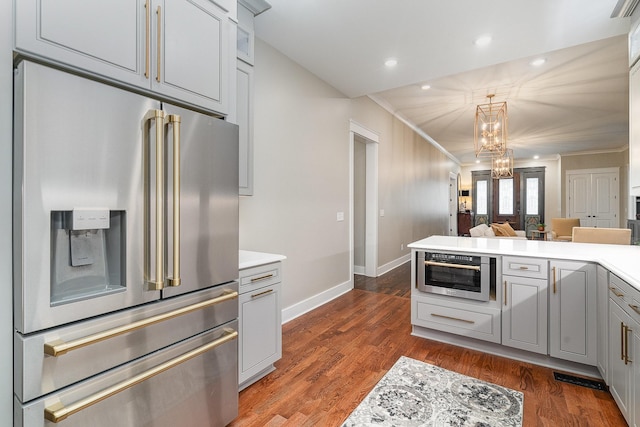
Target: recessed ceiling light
x,y
425,87
538,62
391,62
536,157
483,41
477,161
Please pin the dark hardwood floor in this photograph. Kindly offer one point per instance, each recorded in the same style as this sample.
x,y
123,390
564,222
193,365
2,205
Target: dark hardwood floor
x,y
334,355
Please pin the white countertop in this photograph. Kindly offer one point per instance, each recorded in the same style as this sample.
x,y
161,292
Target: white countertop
x,y
622,260
248,259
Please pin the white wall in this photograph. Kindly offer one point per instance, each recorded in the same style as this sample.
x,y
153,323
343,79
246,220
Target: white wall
x,y
6,119
301,179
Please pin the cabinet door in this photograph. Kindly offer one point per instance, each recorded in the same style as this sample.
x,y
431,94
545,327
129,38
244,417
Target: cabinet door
x,y
573,312
619,372
603,320
634,130
634,351
524,314
260,331
192,59
244,81
106,39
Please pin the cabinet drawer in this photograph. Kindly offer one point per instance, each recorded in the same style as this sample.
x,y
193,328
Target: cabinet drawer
x,y
525,267
468,321
260,276
619,290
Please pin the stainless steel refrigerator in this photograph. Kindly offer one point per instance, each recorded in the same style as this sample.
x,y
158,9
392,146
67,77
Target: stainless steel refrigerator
x,y
126,256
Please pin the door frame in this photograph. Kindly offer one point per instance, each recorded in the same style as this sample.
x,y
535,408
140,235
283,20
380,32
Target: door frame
x,y
371,218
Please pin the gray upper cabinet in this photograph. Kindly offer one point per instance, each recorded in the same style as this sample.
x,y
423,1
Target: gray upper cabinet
x,y
247,9
180,49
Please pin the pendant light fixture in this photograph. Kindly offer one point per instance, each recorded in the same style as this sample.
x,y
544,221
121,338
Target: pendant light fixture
x,y
502,165
490,135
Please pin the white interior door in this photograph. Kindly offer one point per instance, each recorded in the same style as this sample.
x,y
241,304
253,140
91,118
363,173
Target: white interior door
x,y
593,196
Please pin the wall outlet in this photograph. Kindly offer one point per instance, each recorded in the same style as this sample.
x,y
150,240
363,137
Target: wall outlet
x,y
340,216
402,246
381,212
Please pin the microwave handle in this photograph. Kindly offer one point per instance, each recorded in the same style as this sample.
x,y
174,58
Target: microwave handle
x,y
444,264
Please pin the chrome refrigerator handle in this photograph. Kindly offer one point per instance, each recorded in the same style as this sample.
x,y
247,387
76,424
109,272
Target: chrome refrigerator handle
x,y
174,121
158,283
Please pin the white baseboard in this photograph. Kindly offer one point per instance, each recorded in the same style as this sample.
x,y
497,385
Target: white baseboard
x,y
315,301
359,269
508,352
393,264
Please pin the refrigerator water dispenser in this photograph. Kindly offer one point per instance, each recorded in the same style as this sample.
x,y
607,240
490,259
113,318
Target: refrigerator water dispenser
x,y
87,254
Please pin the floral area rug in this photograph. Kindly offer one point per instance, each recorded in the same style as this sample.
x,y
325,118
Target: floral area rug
x,y
414,393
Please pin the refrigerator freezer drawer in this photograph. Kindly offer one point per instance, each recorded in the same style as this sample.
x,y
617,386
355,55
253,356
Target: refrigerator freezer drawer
x,y
37,373
199,391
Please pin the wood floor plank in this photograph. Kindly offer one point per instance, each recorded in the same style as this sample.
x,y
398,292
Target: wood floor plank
x,y
334,355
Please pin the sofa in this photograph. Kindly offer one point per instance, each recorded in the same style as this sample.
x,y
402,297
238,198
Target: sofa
x,y
483,230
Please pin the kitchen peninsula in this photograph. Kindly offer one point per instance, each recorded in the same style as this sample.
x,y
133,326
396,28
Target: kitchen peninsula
x,y
569,306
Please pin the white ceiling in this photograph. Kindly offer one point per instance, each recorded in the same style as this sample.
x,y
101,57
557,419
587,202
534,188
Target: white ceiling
x,y
576,102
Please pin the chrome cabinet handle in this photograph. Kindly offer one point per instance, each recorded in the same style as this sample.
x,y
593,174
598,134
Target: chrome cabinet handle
x,y
158,283
60,347
175,120
58,412
444,264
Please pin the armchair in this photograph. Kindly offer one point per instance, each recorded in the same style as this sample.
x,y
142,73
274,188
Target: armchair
x,y
562,228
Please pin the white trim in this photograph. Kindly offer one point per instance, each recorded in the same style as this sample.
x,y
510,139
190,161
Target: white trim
x,y
315,301
393,264
412,126
371,214
359,269
363,131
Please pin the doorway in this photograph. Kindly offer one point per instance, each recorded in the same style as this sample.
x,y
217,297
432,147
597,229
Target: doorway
x,y
363,195
593,196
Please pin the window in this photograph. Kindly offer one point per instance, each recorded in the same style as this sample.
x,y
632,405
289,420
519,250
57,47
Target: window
x,y
532,196
481,198
505,204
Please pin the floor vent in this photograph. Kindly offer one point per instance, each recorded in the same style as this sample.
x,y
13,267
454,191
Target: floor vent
x,y
595,384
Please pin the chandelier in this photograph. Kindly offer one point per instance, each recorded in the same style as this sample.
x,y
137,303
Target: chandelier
x,y
490,135
502,165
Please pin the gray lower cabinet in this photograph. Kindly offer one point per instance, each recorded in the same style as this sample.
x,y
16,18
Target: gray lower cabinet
x,y
573,312
603,320
524,309
260,322
524,314
624,348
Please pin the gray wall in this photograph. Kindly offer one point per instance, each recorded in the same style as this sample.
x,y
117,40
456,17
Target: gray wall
x,y
301,173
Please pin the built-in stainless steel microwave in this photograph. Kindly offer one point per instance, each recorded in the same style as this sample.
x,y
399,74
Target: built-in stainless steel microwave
x,y
456,275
